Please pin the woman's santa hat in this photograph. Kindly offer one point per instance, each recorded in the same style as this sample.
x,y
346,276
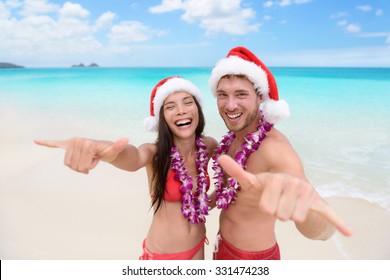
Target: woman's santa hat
x,y
161,91
241,61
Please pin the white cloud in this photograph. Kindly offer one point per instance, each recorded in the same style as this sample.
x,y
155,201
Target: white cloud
x,y
13,3
338,15
268,4
47,30
284,3
229,25
73,10
34,7
267,17
379,12
353,57
42,35
376,35
166,6
218,16
353,28
301,1
129,31
364,8
4,12
105,20
204,9
342,22
122,36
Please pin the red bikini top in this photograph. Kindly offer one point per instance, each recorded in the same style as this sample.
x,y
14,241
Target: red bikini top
x,y
172,188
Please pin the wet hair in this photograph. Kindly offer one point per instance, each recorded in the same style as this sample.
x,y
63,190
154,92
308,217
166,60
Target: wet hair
x,y
162,159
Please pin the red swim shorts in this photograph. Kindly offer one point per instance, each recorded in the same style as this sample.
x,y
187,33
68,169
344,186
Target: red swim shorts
x,y
223,250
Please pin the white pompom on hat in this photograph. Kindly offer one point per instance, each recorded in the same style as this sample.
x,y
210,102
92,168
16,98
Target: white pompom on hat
x,y
241,61
161,91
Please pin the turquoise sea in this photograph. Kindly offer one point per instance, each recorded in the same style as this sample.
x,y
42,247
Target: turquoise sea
x,y
339,124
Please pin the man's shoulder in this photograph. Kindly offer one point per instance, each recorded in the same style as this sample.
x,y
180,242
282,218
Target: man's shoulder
x,y
273,150
275,139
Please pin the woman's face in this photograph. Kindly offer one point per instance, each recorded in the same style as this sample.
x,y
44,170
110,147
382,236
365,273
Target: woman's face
x,y
181,114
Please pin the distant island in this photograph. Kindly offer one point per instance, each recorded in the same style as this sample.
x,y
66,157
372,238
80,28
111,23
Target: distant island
x,y
6,65
82,65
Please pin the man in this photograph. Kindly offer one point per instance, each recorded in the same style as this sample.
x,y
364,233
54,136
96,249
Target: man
x,y
251,203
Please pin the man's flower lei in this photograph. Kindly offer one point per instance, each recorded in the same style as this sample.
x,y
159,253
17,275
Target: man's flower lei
x,y
228,194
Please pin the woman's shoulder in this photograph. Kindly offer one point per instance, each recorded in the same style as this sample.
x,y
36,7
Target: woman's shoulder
x,y
150,147
210,140
211,143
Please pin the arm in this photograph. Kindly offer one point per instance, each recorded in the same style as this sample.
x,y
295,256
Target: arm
x,y
132,158
288,198
299,190
82,154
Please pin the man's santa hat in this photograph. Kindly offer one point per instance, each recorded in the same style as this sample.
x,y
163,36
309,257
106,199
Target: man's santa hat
x,y
161,91
241,61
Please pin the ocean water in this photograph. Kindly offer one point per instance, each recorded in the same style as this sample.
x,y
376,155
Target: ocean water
x,y
339,124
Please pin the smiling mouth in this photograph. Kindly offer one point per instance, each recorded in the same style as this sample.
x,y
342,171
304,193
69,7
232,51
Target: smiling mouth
x,y
185,122
234,116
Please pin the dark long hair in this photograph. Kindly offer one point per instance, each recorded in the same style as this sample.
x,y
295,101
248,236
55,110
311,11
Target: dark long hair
x,y
162,159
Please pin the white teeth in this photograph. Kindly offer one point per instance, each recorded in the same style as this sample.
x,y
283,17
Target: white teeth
x,y
183,122
235,116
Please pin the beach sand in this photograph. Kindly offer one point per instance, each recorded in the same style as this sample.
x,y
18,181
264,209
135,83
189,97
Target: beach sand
x,y
48,211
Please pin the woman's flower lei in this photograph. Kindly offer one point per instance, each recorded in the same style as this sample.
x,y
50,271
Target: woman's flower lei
x,y
228,194
195,206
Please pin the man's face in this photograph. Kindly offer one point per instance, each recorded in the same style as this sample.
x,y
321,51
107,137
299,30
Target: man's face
x,y
238,103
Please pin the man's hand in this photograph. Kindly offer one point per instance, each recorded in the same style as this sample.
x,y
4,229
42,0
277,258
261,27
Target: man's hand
x,y
283,196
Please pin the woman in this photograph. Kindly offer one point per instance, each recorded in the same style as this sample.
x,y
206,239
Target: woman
x,y
178,183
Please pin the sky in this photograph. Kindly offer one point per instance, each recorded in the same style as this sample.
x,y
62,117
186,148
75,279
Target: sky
x,y
194,33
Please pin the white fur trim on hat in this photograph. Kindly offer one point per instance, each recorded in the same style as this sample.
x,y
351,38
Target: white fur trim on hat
x,y
275,111
170,86
150,123
234,65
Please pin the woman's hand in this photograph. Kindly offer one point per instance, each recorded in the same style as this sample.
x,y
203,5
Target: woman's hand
x,y
82,154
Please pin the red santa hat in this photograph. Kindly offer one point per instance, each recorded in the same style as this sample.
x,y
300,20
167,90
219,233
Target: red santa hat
x,y
161,91
241,61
